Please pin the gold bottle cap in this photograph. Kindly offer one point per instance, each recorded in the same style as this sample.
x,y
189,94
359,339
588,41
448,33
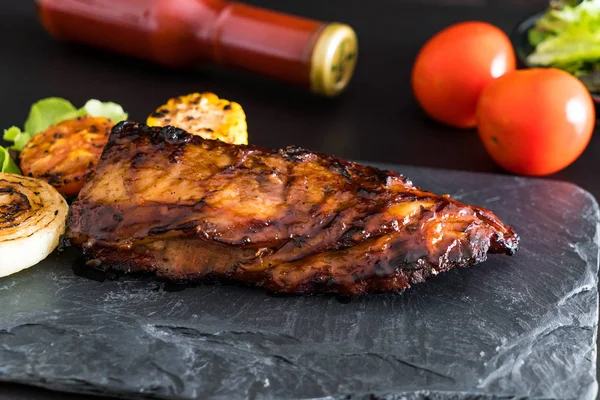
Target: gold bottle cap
x,y
333,59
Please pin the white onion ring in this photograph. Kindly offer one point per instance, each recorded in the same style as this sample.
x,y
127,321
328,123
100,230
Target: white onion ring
x,y
32,219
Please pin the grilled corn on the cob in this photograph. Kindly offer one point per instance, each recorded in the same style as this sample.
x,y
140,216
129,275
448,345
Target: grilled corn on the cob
x,y
204,114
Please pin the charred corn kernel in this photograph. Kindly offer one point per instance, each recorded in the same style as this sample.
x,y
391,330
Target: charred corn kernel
x,y
205,115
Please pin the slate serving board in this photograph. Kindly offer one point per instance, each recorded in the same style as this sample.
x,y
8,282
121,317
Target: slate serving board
x,y
513,327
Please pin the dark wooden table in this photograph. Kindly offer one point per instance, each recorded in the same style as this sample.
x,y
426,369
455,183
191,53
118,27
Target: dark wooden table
x,y
376,119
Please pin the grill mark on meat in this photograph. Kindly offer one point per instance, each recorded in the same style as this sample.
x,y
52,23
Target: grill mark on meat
x,y
339,168
293,153
164,229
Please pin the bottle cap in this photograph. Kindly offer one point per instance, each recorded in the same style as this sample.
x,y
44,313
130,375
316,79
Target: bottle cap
x,y
333,59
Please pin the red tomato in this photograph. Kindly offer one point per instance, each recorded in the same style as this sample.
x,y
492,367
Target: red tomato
x,y
454,67
536,121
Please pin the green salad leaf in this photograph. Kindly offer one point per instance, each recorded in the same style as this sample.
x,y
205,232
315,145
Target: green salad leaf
x,y
80,112
16,135
7,164
97,108
568,38
52,110
47,112
11,133
109,110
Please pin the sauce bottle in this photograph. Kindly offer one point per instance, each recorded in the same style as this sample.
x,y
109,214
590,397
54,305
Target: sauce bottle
x,y
315,55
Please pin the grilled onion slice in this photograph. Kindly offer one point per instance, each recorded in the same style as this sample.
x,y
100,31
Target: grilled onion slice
x,y
32,219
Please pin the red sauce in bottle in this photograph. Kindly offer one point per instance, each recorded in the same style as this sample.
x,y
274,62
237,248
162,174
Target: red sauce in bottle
x,y
312,54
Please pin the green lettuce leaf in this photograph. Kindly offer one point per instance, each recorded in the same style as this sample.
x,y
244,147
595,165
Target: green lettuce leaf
x,y
536,37
72,114
97,108
109,110
568,38
7,164
47,112
11,133
20,138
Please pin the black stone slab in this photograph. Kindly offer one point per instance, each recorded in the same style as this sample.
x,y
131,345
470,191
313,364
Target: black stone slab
x,y
512,327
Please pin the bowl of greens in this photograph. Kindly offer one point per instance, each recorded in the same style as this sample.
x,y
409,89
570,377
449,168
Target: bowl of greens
x,y
565,36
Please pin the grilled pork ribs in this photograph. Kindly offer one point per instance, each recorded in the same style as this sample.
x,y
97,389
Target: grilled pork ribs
x,y
290,221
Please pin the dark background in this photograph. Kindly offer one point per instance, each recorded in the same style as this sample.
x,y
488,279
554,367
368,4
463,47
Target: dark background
x,y
376,119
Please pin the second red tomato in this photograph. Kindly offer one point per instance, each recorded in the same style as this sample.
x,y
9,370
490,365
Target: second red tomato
x,y
455,65
536,121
